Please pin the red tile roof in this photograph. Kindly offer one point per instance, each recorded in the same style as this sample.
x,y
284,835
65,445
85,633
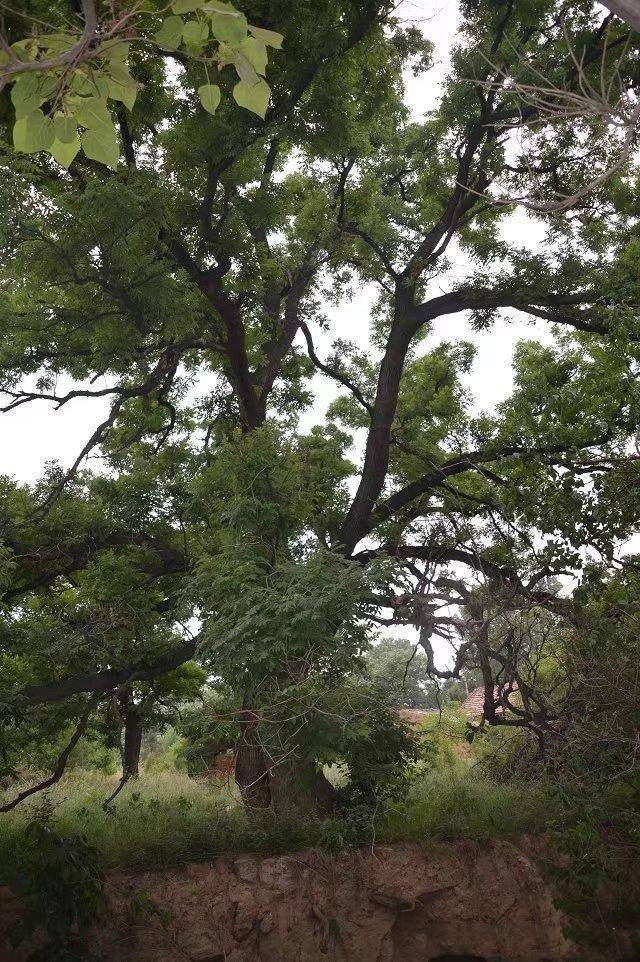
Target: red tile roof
x,y
474,702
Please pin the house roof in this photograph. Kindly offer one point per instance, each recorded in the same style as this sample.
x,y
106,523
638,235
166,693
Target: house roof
x,y
474,702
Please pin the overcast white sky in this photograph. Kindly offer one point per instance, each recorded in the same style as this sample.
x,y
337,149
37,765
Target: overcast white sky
x,y
35,433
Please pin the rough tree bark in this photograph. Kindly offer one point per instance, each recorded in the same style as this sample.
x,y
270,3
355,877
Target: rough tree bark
x,y
251,764
283,785
132,740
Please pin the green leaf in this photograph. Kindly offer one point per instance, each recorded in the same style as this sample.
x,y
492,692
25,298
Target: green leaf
x,y
94,114
25,94
209,97
122,86
101,144
195,33
81,83
25,86
270,37
94,84
245,70
186,6
256,53
66,129
127,95
65,152
218,6
33,132
254,98
26,49
56,43
115,50
119,72
169,36
229,28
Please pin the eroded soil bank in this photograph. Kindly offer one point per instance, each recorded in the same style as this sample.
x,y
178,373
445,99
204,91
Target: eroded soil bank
x,y
456,901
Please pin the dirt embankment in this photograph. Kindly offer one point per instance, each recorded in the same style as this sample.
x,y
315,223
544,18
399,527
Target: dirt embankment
x,y
458,901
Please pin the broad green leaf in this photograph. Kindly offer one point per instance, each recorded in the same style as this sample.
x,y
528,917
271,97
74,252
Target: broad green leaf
x,y
80,83
115,50
229,29
92,84
33,133
66,129
218,6
245,70
169,36
209,97
25,86
195,33
127,95
119,72
63,152
25,94
26,49
59,42
256,53
122,86
101,144
186,6
254,98
94,114
270,37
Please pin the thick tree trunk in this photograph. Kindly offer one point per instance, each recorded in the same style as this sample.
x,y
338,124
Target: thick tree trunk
x,y
132,744
284,786
298,788
252,773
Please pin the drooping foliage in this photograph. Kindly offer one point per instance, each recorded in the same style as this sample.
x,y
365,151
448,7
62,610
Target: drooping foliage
x,y
67,80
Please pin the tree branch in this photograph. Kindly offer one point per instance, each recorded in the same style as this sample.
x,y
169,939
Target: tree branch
x,y
100,682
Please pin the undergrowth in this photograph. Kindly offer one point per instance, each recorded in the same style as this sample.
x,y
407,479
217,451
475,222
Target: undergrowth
x,y
170,819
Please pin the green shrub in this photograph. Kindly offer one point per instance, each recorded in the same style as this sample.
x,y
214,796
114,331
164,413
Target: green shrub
x,y
59,877
170,819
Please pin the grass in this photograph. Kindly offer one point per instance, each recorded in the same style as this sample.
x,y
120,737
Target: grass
x,y
160,820
461,804
170,819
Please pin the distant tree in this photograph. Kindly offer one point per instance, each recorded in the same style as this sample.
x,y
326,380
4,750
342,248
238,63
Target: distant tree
x,y
400,668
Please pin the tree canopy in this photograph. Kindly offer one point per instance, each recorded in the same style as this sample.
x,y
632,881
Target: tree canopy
x,y
189,288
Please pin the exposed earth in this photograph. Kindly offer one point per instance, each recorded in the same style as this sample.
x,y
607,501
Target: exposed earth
x,y
397,903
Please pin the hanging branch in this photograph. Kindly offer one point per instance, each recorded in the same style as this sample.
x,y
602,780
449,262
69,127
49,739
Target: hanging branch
x,y
61,764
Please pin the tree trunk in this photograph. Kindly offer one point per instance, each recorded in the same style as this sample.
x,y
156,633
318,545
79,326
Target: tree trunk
x,y
132,737
251,764
286,786
298,788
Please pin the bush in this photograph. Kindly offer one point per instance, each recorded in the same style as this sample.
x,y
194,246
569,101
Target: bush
x,y
59,878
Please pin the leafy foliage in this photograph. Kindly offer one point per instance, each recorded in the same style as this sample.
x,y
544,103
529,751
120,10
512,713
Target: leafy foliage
x,y
60,880
193,297
64,102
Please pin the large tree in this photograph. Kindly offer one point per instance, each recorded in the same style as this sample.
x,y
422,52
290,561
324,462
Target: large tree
x,y
189,291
